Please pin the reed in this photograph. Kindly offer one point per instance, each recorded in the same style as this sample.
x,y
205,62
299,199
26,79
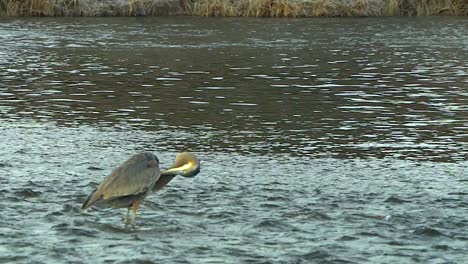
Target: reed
x,y
426,8
329,8
39,7
152,7
88,7
275,8
229,8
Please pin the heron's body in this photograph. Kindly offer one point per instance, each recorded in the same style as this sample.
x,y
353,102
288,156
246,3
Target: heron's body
x,y
129,184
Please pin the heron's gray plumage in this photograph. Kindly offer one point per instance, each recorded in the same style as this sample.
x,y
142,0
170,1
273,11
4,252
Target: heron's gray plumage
x,y
129,184
130,181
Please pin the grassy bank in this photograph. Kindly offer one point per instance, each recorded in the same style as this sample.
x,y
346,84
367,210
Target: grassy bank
x,y
89,7
247,8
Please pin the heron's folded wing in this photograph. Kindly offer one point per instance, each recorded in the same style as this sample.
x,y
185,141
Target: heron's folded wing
x,y
136,175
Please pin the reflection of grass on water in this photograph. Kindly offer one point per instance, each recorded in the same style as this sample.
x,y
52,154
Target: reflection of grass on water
x,y
250,8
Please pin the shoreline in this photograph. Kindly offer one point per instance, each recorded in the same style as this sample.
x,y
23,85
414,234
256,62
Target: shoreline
x,y
233,8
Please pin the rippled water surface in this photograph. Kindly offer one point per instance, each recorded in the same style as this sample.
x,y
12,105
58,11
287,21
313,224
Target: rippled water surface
x,y
321,140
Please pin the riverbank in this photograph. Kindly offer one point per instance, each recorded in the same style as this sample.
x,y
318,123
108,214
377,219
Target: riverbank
x,y
234,8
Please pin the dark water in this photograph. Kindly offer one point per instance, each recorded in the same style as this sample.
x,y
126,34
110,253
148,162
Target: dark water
x,y
321,140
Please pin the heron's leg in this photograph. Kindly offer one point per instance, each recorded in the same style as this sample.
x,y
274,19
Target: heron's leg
x,y
127,218
135,205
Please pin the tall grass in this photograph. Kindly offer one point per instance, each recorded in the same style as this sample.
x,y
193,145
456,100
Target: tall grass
x,y
329,8
41,8
267,8
247,8
250,8
426,8
88,7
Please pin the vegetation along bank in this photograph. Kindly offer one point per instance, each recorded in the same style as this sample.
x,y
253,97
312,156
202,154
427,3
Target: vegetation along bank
x,y
234,8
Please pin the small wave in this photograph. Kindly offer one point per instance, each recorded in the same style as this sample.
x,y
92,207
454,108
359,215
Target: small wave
x,y
458,193
275,226
270,205
73,208
319,256
278,198
116,228
73,230
34,184
370,234
396,243
222,215
347,238
94,168
393,199
53,214
27,193
308,215
442,247
429,232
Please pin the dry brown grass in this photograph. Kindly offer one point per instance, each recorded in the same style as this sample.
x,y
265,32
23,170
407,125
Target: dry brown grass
x,y
277,8
229,8
39,7
426,8
248,8
88,7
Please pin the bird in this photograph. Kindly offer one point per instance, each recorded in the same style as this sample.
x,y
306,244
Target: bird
x,y
129,184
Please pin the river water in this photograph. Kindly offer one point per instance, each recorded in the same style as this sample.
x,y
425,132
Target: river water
x,y
321,140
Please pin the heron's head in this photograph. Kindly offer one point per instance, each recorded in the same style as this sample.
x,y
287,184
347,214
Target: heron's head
x,y
186,164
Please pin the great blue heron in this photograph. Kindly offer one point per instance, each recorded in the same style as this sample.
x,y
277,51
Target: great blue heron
x,y
129,184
